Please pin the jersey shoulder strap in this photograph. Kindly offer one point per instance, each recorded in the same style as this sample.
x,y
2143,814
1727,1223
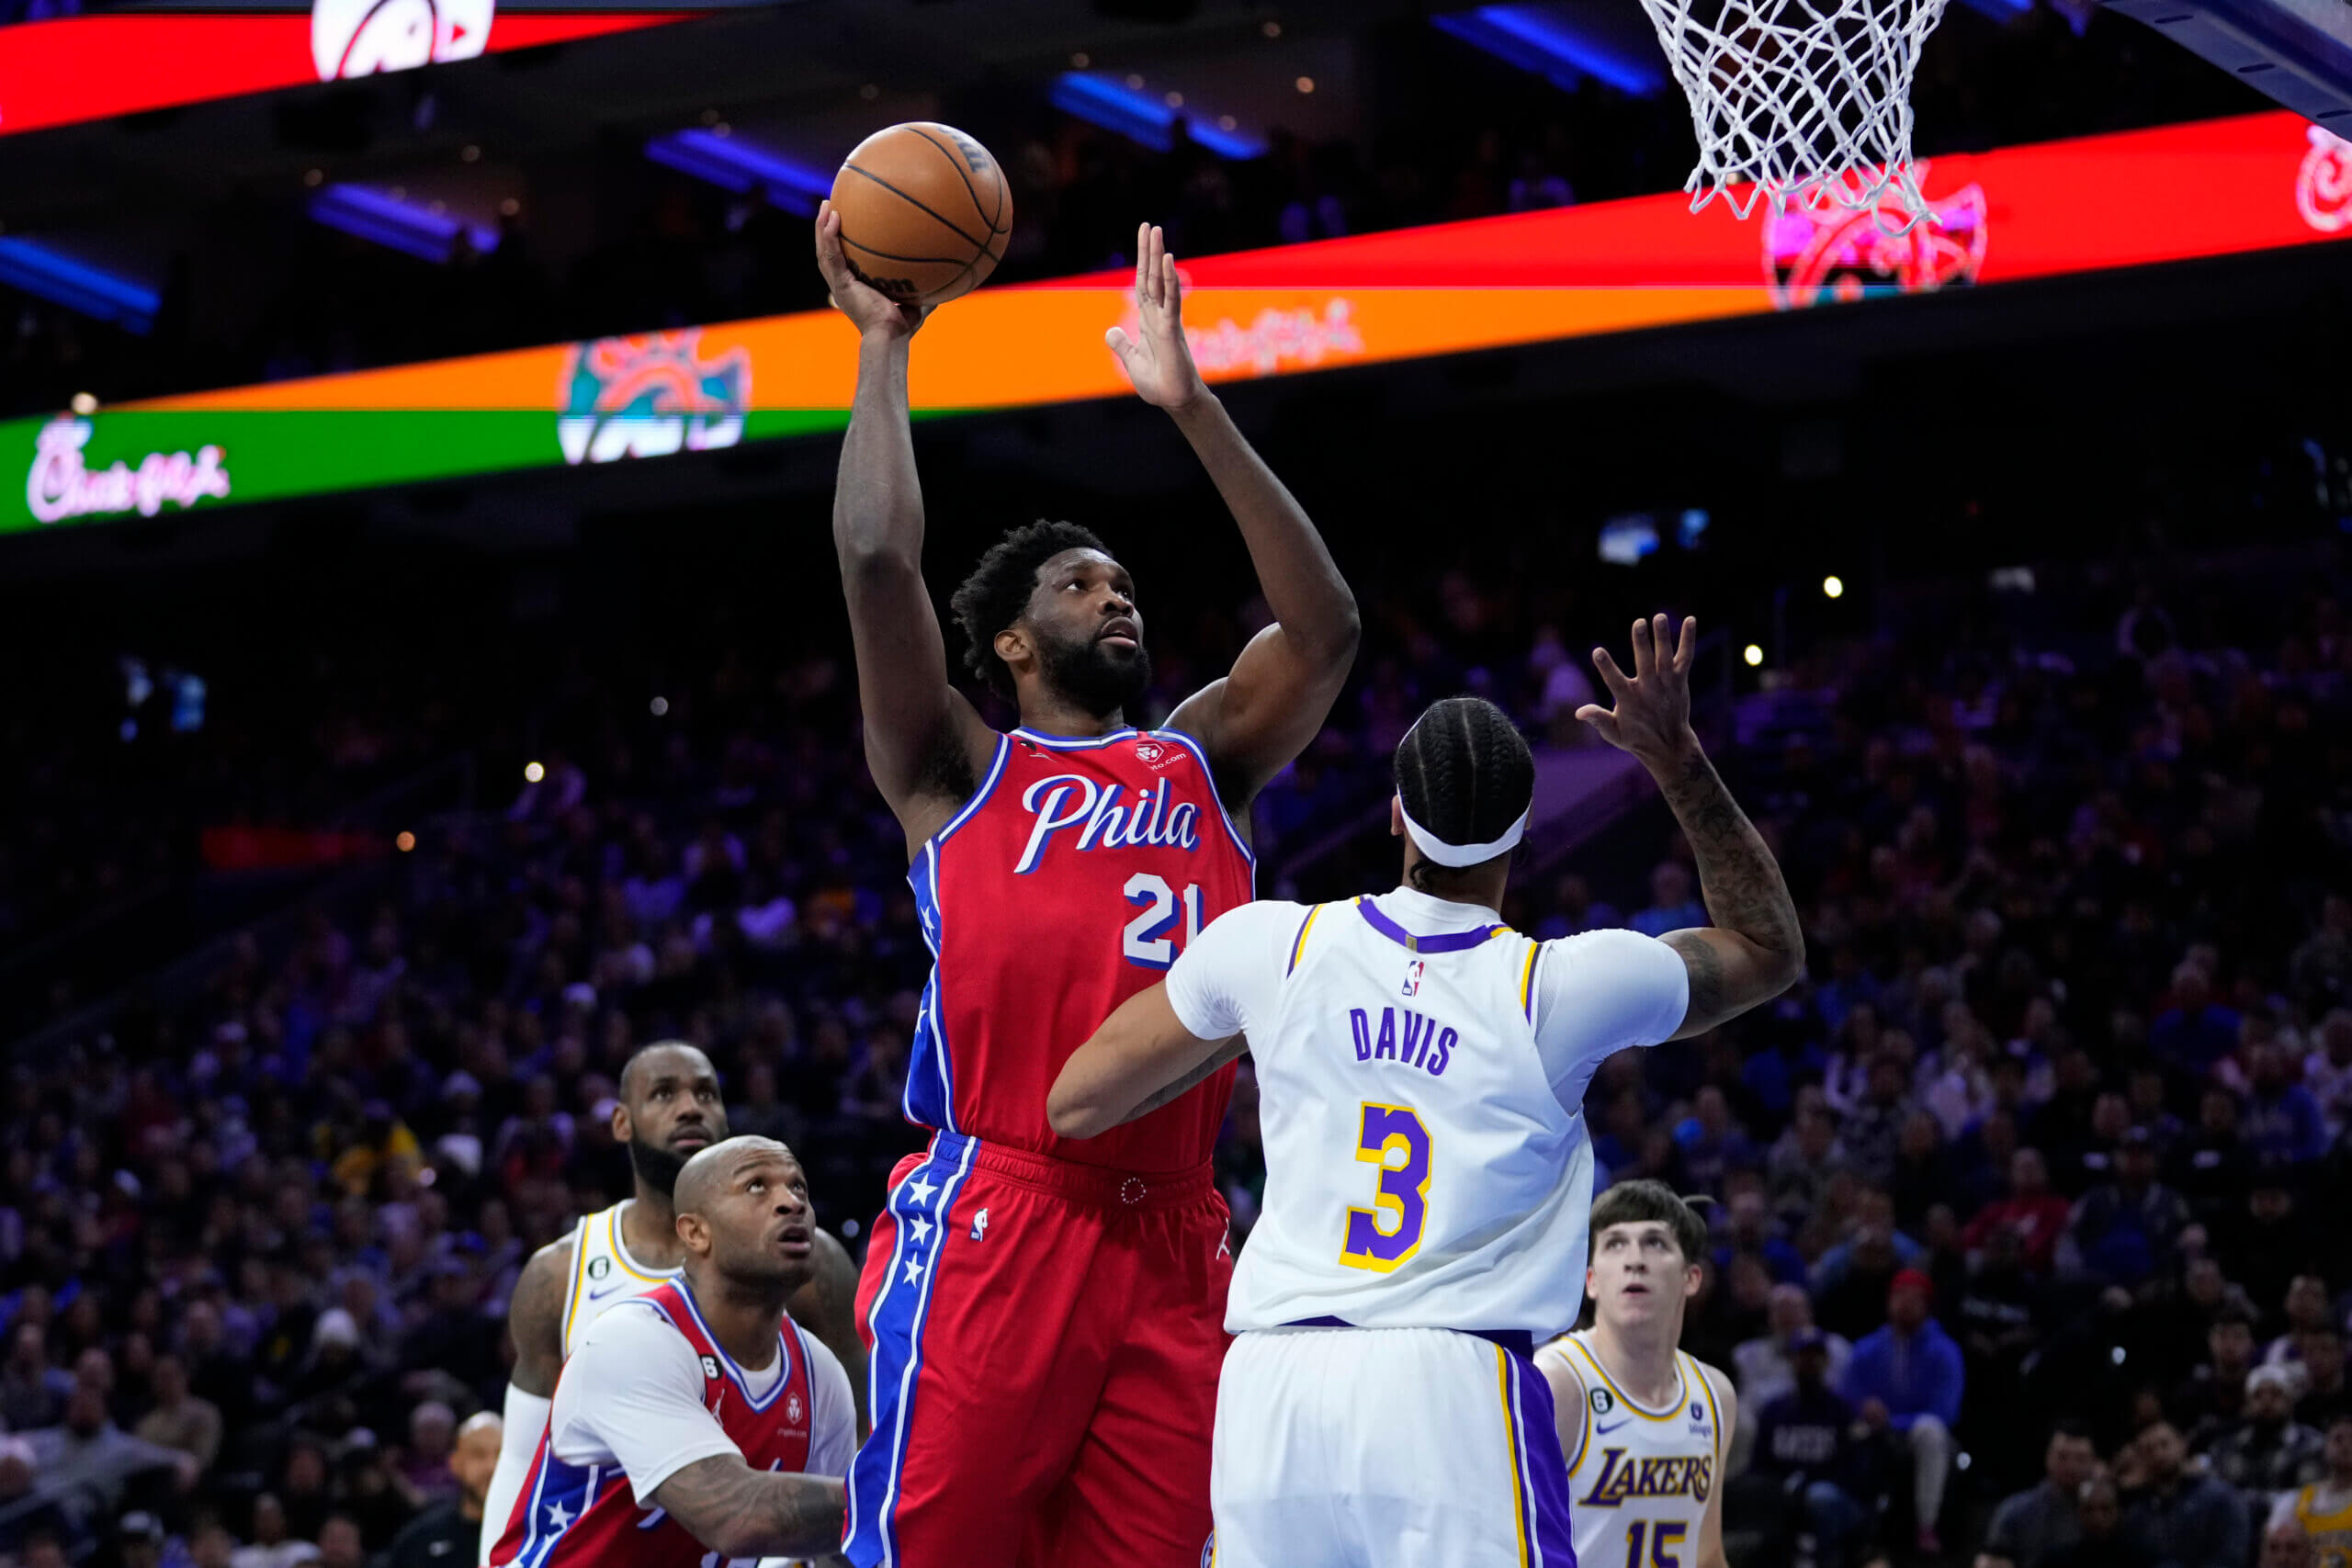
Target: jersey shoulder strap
x,y
574,1284
1315,915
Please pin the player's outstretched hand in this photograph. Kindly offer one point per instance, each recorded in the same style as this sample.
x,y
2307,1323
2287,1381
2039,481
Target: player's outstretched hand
x,y
1652,718
871,310
1159,362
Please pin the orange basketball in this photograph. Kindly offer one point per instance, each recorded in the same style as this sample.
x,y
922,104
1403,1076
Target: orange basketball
x,y
925,212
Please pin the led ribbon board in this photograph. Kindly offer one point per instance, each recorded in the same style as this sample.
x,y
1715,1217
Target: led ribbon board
x,y
2216,188
83,68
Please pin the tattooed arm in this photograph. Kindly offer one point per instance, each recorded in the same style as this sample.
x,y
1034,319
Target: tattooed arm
x,y
1755,948
741,1512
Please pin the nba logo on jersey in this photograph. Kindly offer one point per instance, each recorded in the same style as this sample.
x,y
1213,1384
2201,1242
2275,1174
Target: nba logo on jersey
x,y
1413,972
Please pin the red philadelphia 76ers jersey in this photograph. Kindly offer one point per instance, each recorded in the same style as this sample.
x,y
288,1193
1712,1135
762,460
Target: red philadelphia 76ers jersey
x,y
588,1514
1066,885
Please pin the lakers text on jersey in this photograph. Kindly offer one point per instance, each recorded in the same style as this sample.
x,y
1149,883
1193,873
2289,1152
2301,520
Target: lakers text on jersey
x,y
1642,1476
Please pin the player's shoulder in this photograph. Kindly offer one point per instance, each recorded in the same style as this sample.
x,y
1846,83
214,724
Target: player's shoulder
x,y
1557,1355
545,1275
1719,1387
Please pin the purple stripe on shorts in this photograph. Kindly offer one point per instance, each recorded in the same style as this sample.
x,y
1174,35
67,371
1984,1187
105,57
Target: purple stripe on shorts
x,y
1550,1528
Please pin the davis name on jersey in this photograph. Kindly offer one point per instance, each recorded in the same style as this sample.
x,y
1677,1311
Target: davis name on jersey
x,y
1422,1042
1069,881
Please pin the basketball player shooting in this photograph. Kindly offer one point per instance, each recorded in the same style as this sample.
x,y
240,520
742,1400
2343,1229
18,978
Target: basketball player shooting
x,y
1045,1312
697,1422
1643,1427
668,1110
1414,1032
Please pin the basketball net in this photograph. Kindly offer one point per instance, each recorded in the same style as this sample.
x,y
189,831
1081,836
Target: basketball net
x,y
1804,102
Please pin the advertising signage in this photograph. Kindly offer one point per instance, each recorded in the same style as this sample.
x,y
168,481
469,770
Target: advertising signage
x,y
2216,188
74,69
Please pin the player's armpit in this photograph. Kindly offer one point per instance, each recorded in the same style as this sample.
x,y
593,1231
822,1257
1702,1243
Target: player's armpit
x,y
737,1511
1729,974
1140,1051
1567,1403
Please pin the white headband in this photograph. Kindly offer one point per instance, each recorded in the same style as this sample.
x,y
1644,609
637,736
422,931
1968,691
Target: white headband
x,y
1436,849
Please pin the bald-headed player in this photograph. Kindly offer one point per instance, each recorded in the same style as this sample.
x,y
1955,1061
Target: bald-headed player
x,y
697,1421
669,1110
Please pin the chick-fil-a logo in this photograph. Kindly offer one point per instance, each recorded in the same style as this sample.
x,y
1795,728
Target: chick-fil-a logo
x,y
61,485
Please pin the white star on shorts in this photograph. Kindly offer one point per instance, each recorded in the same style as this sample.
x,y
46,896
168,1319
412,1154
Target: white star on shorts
x,y
914,1270
920,1190
559,1517
921,1227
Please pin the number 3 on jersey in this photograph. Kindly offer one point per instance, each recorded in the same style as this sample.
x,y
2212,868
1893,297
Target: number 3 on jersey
x,y
1146,941
1387,1132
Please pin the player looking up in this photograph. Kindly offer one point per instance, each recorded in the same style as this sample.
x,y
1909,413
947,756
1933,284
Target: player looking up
x,y
668,1111
697,1422
1643,1427
1045,1312
1414,1034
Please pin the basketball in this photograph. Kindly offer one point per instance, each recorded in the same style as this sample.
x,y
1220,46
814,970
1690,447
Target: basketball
x,y
925,212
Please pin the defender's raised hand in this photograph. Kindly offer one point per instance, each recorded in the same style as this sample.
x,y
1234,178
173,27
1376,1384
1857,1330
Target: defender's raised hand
x,y
1652,718
868,307
1159,362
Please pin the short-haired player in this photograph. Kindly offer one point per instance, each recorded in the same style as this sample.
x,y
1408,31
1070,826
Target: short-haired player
x,y
1644,1427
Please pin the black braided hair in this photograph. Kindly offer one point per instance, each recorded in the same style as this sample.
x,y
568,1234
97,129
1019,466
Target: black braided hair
x,y
998,591
1465,774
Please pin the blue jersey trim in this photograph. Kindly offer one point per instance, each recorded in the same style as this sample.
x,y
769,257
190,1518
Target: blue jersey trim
x,y
895,1328
734,1373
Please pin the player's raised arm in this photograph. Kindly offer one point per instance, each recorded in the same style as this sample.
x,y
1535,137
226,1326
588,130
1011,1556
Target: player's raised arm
x,y
1755,948
739,1512
924,741
1262,715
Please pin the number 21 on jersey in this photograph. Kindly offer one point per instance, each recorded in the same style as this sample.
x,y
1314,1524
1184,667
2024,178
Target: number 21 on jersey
x,y
1146,940
1382,1237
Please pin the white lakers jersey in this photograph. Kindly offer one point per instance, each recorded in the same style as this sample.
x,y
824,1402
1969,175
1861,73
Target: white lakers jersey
x,y
603,1273
1421,1071
1642,1477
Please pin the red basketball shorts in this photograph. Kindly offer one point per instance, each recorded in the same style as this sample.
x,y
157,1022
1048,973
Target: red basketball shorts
x,y
1045,1342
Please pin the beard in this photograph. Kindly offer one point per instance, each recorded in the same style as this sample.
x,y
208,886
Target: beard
x,y
656,1166
1099,678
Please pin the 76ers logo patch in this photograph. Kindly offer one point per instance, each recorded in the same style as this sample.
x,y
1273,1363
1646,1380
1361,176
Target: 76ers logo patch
x,y
792,1408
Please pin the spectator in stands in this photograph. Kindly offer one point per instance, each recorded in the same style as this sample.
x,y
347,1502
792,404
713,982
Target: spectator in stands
x,y
2032,1212
2267,1451
2210,1166
341,1545
2195,1519
1872,1132
2215,1392
1853,1278
1907,1378
2327,1070
453,1524
1804,1445
2125,1228
2195,1033
1671,908
2282,1124
2108,1537
2323,1397
88,1464
2029,1525
178,1418
1764,1367
2306,1306
272,1547
32,1392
